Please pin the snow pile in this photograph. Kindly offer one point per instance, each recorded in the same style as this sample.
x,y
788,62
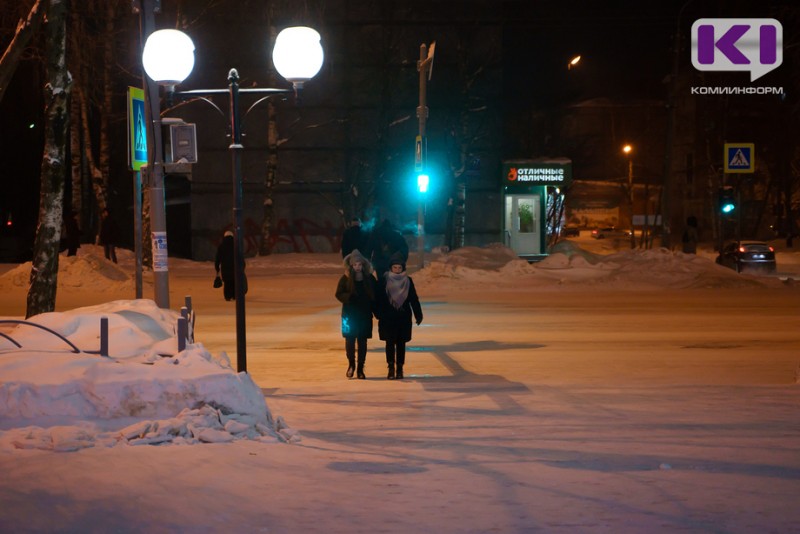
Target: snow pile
x,y
570,266
144,392
88,270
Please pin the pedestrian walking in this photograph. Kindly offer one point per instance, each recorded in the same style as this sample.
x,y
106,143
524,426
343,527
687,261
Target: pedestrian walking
x,y
108,235
356,291
224,265
397,300
386,240
353,238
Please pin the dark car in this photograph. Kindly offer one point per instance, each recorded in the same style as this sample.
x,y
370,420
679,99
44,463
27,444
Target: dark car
x,y
570,231
752,256
609,231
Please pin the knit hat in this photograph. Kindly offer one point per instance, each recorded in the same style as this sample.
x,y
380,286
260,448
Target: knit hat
x,y
397,259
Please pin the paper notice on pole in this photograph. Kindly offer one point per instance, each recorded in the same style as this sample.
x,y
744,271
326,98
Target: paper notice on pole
x,y
159,240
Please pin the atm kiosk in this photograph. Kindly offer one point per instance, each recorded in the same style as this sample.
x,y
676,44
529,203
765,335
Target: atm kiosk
x,y
533,202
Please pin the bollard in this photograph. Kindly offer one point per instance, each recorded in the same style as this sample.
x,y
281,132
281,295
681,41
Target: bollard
x,y
182,333
187,300
104,336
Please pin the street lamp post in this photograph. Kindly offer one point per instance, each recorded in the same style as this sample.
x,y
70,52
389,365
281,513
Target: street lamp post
x,y
628,150
298,57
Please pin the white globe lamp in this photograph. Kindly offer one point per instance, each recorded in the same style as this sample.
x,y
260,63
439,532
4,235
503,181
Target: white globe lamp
x,y
298,55
168,57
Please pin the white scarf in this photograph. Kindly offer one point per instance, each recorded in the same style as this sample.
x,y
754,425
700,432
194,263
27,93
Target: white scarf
x,y
397,285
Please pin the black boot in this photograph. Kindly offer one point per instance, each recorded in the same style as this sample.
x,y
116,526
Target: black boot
x,y
360,371
351,366
390,376
399,373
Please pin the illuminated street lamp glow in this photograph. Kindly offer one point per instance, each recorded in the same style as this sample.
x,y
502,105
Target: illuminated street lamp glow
x,y
298,54
574,61
168,56
627,149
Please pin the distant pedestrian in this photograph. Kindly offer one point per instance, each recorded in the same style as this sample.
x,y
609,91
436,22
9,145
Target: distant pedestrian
x,y
72,233
353,237
224,265
385,242
108,235
397,300
356,291
689,237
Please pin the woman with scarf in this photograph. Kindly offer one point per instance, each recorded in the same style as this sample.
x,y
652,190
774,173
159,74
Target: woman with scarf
x,y
397,299
356,292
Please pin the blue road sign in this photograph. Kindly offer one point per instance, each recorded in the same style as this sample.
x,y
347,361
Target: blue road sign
x,y
739,157
137,129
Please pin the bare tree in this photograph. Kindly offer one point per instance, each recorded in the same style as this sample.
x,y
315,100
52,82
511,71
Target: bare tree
x,y
44,267
26,29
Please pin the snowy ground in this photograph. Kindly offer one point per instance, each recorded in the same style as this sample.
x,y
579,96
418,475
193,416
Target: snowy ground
x,y
601,390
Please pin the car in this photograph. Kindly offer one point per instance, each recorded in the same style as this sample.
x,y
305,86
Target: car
x,y
752,256
609,232
570,231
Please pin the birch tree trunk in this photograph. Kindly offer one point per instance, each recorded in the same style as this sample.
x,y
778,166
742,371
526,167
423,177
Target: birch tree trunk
x,y
44,267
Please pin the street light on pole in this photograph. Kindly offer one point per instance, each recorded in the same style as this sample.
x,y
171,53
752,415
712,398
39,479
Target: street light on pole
x,y
297,56
628,151
573,62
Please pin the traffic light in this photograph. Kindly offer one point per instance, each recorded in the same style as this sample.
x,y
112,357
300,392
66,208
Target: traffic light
x,y
727,200
422,182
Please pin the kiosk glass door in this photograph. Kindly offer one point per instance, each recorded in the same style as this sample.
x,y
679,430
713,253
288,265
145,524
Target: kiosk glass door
x,y
522,221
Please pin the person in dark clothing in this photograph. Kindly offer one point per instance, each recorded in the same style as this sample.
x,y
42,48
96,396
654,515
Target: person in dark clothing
x,y
107,236
397,300
224,265
385,242
353,237
689,237
72,233
356,291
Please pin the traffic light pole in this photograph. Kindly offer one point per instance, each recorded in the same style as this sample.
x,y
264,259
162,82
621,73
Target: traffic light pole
x,y
424,66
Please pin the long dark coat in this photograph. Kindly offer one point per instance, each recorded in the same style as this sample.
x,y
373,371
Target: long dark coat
x,y
385,242
395,324
358,301
224,260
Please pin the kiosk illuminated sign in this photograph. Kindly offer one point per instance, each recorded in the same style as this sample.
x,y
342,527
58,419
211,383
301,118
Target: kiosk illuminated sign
x,y
536,174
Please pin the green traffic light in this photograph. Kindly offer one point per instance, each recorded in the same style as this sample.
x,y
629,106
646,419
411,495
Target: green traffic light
x,y
728,207
422,182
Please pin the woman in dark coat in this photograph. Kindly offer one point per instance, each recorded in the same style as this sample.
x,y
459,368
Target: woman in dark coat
x,y
356,292
397,299
223,263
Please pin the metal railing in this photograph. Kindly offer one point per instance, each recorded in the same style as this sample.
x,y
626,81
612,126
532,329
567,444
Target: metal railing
x,y
184,330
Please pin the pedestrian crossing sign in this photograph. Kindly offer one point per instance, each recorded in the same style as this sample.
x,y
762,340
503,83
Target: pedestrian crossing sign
x,y
137,129
739,157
